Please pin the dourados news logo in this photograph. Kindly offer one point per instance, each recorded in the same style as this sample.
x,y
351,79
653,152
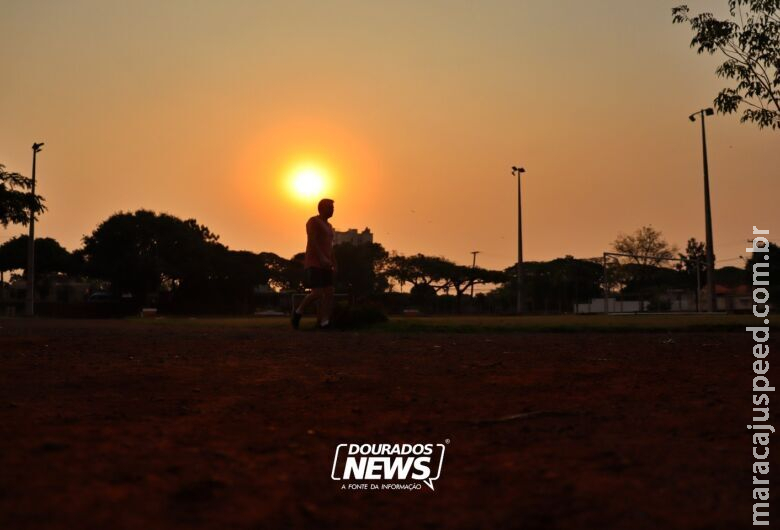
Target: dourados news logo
x,y
388,466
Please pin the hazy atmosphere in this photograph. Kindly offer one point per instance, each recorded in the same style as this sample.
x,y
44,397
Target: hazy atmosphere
x,y
412,112
197,331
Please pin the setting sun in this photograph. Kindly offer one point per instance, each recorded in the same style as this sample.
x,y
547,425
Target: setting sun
x,y
308,181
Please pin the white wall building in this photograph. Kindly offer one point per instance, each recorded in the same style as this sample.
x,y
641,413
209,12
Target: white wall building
x,y
596,305
353,237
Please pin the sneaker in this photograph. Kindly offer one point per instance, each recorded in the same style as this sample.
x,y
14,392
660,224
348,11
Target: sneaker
x,y
295,320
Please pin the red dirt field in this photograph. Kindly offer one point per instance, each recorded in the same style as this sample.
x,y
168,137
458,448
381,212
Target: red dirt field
x,y
133,424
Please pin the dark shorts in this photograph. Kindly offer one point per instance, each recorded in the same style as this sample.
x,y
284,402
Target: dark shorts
x,y
316,277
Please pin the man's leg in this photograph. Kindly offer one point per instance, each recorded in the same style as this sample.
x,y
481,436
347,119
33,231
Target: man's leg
x,y
314,295
326,305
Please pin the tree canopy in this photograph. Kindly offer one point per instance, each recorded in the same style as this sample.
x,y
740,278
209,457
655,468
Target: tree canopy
x,y
553,285
50,256
16,201
144,252
361,268
419,269
646,244
430,275
749,40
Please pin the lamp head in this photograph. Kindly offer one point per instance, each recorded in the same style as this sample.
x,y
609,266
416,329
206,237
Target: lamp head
x,y
705,112
37,146
516,169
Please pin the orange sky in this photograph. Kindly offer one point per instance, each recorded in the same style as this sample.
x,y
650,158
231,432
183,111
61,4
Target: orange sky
x,y
416,109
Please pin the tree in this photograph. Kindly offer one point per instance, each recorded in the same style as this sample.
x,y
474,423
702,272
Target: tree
x,y
730,276
360,268
647,281
641,271
462,277
179,261
16,202
694,263
50,256
430,275
552,286
750,43
647,246
419,270
51,261
283,274
423,296
695,254
138,252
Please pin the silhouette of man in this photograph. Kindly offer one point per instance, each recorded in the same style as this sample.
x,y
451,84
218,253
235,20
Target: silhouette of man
x,y
319,265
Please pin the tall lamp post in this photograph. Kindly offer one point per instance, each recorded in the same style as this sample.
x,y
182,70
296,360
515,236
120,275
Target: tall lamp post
x,y
707,212
29,306
520,306
473,265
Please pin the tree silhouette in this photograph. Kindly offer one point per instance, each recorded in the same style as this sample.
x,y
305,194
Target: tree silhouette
x,y
16,202
553,286
283,274
695,254
50,256
361,268
463,277
431,275
646,244
750,42
419,269
144,253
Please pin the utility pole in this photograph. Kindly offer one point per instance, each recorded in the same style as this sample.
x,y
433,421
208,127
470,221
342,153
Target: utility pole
x,y
698,285
473,265
606,285
520,306
29,306
711,306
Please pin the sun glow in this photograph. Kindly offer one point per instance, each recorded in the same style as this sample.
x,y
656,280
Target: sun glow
x,y
308,181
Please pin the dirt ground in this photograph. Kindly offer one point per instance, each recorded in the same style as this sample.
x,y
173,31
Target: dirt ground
x,y
132,424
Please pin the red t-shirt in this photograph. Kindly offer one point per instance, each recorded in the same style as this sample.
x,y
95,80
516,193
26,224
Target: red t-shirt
x,y
319,242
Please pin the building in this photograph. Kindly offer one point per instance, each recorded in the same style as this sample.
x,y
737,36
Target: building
x,y
727,298
596,305
353,237
731,298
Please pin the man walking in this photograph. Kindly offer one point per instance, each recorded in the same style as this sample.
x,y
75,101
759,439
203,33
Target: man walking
x,y
319,266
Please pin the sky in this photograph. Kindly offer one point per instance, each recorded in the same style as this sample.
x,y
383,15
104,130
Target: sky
x,y
413,111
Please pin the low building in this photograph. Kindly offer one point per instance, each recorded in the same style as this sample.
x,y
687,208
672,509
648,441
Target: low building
x,y
730,298
727,298
596,305
353,237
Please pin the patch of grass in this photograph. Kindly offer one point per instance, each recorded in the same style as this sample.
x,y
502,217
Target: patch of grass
x,y
213,321
570,323
495,324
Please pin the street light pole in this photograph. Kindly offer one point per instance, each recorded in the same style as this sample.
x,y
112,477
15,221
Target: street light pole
x,y
473,265
29,306
707,211
520,306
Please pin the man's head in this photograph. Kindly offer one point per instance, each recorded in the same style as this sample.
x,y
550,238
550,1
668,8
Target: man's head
x,y
325,207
